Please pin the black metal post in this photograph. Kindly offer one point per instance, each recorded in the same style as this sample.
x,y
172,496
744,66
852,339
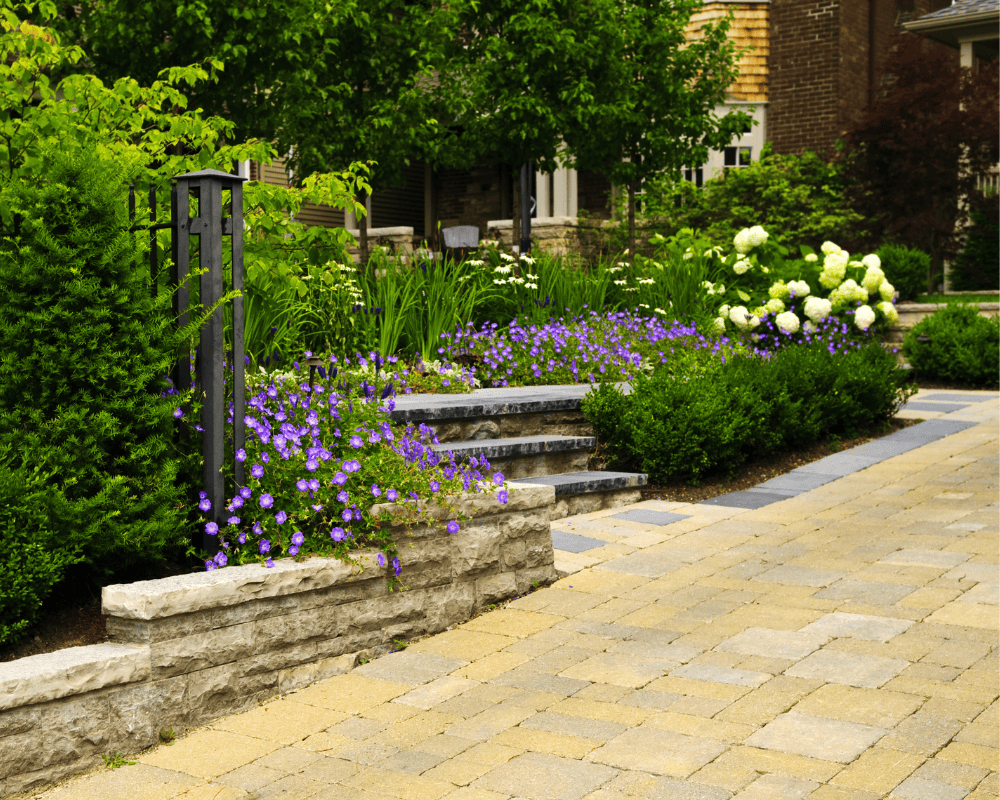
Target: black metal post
x,y
525,243
154,267
210,226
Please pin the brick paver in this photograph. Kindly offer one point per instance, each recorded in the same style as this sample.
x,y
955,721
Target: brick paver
x,y
841,643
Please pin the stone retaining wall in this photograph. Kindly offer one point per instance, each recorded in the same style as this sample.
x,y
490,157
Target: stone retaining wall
x,y
191,648
912,313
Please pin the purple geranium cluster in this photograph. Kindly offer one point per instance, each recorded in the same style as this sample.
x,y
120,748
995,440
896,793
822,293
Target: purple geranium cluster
x,y
319,454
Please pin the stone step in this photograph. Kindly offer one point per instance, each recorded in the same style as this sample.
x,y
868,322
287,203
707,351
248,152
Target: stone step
x,y
526,456
587,491
498,413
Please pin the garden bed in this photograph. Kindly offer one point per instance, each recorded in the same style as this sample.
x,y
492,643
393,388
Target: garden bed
x,y
190,648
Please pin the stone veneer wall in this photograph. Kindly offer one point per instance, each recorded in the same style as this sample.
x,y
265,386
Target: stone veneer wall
x,y
191,648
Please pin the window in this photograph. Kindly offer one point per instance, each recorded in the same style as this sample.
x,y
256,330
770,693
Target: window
x,y
695,175
736,157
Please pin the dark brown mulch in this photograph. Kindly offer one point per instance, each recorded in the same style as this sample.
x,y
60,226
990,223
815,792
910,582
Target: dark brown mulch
x,y
750,475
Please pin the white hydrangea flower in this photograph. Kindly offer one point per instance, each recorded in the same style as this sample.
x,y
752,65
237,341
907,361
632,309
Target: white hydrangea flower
x,y
887,291
742,266
888,311
754,321
831,278
808,326
864,317
778,291
799,288
873,279
817,308
774,306
757,236
720,325
787,322
812,257
854,292
829,248
835,261
739,317
724,311
749,238
872,261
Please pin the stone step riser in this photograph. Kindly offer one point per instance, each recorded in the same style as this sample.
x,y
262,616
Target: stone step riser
x,y
509,426
516,467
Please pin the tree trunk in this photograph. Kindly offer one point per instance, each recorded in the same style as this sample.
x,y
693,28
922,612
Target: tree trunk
x,y
631,222
515,235
363,234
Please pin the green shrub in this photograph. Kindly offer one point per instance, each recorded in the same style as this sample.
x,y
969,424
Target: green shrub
x,y
800,199
83,354
33,519
908,270
682,428
962,346
978,265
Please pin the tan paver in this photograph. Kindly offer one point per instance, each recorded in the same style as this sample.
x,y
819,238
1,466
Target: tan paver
x,y
839,645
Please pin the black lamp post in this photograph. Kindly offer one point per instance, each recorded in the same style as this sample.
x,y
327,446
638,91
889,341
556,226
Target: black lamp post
x,y
210,226
525,243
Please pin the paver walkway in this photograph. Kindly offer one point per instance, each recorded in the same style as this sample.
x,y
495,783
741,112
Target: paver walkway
x,y
837,644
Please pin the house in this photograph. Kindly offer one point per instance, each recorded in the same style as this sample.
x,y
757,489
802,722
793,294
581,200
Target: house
x,y
814,66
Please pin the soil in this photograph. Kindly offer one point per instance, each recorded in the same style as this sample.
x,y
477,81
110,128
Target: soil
x,y
75,620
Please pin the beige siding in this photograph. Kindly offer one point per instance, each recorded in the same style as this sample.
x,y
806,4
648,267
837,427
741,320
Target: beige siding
x,y
748,29
276,174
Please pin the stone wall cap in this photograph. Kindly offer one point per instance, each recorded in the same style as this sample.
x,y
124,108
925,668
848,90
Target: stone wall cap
x,y
71,671
536,222
230,586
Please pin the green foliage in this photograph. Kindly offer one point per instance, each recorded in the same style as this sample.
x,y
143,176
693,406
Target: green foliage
x,y
652,111
962,346
34,513
802,196
908,270
977,265
680,428
83,354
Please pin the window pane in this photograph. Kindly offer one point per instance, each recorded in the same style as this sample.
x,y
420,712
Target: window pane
x,y
698,179
729,157
745,156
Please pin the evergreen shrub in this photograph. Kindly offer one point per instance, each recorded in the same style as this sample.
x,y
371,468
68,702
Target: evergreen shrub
x,y
681,428
907,269
961,346
978,265
83,354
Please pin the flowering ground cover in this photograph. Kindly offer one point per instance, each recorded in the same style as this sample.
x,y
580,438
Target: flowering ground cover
x,y
320,452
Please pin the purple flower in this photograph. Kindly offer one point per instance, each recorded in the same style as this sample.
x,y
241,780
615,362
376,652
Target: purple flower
x,y
498,478
210,565
242,538
342,497
375,490
264,546
395,566
265,457
313,485
356,442
502,496
435,486
211,528
205,504
178,413
298,538
257,471
337,534
348,515
453,527
339,479
233,520
312,465
236,502
269,563
381,560
302,485
391,495
266,501
246,493
221,559
241,455
280,517
293,550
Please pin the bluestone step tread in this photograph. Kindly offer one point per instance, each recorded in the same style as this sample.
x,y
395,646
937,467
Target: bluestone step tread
x,y
517,446
589,481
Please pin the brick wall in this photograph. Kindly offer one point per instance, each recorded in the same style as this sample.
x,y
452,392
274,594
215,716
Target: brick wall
x,y
803,74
